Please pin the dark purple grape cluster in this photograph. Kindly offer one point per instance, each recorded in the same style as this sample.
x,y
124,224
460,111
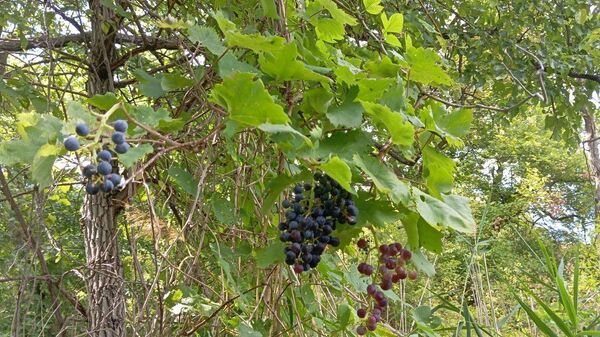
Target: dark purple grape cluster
x,y
100,176
392,263
311,217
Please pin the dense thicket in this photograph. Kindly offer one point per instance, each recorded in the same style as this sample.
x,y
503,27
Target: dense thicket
x,y
305,168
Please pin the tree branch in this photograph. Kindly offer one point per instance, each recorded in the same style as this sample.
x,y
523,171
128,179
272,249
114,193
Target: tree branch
x,y
45,42
591,77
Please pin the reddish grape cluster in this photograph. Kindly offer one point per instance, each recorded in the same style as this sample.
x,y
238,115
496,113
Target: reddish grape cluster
x,y
391,269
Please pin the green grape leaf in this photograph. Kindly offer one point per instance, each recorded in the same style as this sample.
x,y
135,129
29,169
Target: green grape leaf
x,y
184,180
174,81
223,209
317,100
283,66
134,154
429,237
410,222
17,151
424,68
438,171
329,29
284,128
229,64
371,89
384,178
269,9
419,260
247,101
255,42
349,114
149,85
102,102
339,171
375,212
452,211
394,24
272,253
345,144
208,38
402,132
41,167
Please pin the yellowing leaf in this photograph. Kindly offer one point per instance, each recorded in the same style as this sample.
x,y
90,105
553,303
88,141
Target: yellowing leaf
x,y
392,39
373,6
331,27
255,42
394,24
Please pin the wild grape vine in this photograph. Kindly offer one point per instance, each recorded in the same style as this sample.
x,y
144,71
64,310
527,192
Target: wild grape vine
x,y
392,263
101,177
311,217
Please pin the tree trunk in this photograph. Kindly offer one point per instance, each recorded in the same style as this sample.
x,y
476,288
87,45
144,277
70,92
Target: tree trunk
x,y
104,280
593,158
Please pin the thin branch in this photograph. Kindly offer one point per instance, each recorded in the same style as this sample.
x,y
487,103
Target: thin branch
x,y
591,77
540,70
45,42
480,106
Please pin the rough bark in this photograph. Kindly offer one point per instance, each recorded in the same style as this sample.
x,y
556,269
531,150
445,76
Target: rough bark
x,y
104,280
593,157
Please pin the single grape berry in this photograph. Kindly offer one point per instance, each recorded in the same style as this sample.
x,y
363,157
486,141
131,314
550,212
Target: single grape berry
x,y
361,330
298,268
120,125
362,312
412,275
371,289
298,189
334,241
71,143
82,129
89,171
285,237
105,155
122,148
92,188
104,168
115,178
106,186
406,254
362,244
401,273
285,203
118,137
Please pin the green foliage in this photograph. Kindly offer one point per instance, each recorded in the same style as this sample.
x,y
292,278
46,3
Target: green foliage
x,y
432,114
